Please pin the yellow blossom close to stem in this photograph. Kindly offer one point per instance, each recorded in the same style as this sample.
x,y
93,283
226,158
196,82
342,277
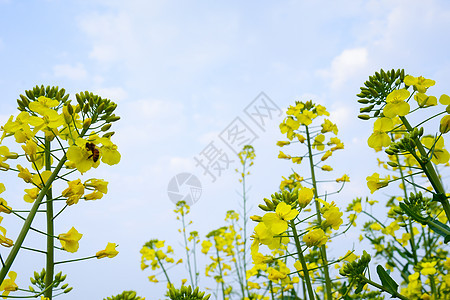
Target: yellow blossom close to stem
x,y
315,237
110,251
69,240
277,222
9,285
396,105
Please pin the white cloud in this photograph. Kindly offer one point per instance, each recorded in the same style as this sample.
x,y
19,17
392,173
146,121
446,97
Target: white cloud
x,y
116,94
77,72
342,116
112,35
345,66
152,120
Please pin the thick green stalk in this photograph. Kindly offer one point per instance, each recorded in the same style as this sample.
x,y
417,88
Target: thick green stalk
x,y
50,257
245,231
411,239
27,224
323,249
429,170
301,258
220,270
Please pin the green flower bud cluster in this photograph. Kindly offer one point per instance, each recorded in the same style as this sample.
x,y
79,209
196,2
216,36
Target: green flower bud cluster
x,y
414,206
49,92
217,232
126,295
186,293
406,144
355,270
285,196
96,107
151,244
39,281
376,89
357,267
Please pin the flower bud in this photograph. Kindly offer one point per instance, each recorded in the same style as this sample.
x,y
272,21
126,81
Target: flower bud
x,y
389,151
87,123
445,124
366,109
256,218
392,164
70,109
105,127
364,117
86,108
101,107
112,118
263,207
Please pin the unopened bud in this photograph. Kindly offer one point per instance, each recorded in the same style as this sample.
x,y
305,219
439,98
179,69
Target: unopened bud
x,y
70,109
87,123
263,207
86,108
106,127
392,164
256,218
389,151
445,124
364,117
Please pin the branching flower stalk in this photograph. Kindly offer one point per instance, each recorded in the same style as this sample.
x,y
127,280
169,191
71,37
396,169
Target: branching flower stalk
x,y
323,250
424,212
284,222
183,210
47,114
246,156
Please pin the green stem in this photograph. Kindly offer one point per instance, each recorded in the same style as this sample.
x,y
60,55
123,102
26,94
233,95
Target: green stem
x,y
164,270
395,294
27,224
220,270
301,258
244,195
50,257
73,260
323,249
429,170
411,238
433,285
194,284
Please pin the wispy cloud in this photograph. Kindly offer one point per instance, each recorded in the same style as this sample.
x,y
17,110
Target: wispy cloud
x,y
344,66
73,72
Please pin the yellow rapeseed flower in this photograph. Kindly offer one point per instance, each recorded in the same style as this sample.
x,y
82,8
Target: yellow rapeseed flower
x,y
277,222
69,240
396,105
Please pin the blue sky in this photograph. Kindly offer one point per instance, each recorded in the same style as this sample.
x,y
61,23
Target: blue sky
x,y
180,73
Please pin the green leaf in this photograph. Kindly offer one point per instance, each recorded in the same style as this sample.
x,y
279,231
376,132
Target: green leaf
x,y
441,229
387,281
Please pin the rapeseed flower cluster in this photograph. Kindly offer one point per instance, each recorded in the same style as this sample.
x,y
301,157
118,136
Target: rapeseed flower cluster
x,y
52,135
